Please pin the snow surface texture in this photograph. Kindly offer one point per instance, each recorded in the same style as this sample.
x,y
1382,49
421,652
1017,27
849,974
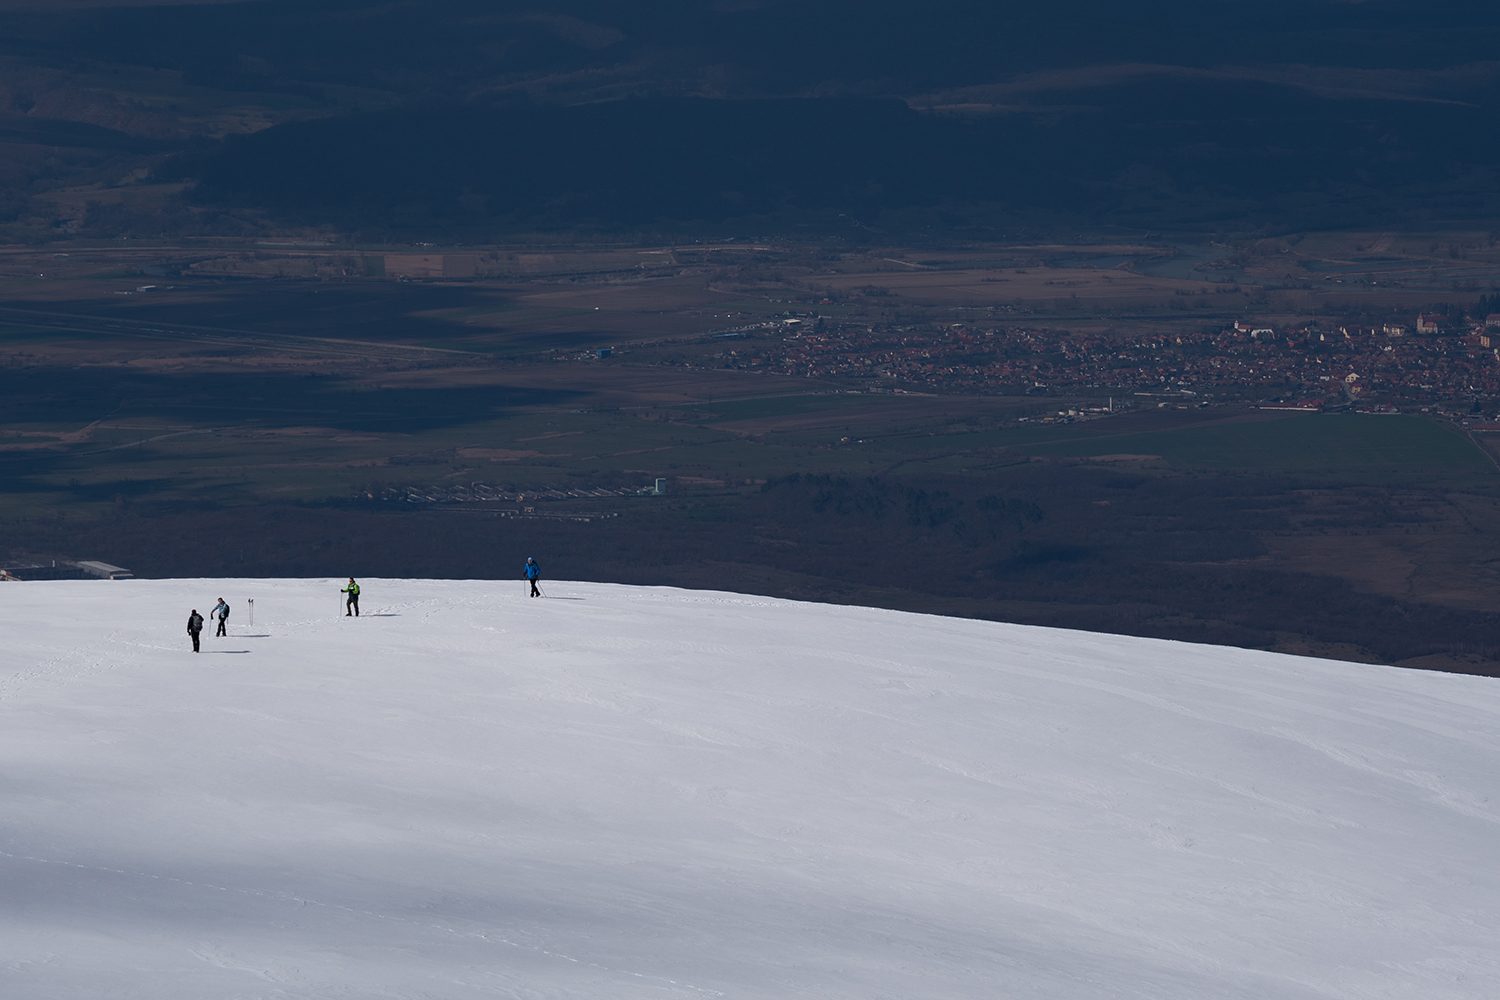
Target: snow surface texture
x,y
622,793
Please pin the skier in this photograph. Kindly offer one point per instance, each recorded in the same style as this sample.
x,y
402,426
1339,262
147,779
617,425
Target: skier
x,y
195,625
352,607
221,612
533,571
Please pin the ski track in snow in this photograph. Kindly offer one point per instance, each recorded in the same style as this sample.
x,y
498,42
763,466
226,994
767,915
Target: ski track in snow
x,y
648,793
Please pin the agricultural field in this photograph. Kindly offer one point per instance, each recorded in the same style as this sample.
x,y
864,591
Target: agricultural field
x,y
510,303
1331,443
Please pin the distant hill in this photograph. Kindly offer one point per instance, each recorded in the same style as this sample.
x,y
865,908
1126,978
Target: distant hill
x,y
457,118
1148,152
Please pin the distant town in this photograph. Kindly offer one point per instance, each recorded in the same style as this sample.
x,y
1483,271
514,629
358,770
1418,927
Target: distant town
x,y
1417,363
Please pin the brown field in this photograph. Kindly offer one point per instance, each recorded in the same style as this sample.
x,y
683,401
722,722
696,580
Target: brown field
x,y
1055,287
529,300
606,386
1444,566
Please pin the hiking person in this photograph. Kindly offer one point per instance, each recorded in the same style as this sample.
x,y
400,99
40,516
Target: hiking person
x,y
195,625
533,571
220,612
352,605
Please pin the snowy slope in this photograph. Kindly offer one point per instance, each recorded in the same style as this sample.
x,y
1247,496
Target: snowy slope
x,y
626,793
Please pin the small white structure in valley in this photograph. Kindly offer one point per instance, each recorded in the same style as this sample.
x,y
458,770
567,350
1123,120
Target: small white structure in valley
x,y
104,570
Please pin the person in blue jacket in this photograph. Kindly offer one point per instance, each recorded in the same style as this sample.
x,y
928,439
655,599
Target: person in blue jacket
x,y
533,571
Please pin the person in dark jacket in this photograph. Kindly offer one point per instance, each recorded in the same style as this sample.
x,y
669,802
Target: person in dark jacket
x,y
195,625
533,572
352,606
221,614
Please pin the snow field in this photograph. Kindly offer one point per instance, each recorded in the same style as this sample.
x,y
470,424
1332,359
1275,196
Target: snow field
x,y
622,792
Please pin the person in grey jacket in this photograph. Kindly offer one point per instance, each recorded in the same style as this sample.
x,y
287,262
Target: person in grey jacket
x,y
195,625
221,614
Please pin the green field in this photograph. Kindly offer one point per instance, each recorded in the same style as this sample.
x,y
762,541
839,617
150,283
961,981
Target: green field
x,y
327,440
733,411
1302,443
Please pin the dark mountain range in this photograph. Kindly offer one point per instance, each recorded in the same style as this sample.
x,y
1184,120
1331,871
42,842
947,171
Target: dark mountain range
x,y
1149,153
767,48
464,117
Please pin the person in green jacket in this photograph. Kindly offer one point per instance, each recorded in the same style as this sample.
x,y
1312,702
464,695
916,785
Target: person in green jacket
x,y
352,605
